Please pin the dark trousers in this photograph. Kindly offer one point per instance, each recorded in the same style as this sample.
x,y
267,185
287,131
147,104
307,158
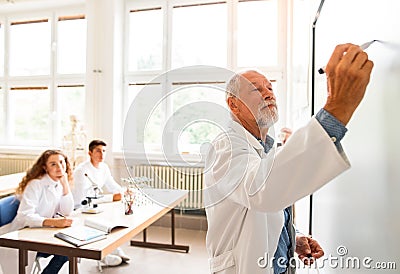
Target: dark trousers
x,y
55,263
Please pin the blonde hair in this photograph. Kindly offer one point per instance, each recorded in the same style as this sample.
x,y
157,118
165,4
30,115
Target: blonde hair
x,y
37,170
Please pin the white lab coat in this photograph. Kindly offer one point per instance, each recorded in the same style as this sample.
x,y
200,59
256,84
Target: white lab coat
x,y
41,199
101,176
246,191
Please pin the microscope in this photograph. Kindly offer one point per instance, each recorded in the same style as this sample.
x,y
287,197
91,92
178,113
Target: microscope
x,y
89,204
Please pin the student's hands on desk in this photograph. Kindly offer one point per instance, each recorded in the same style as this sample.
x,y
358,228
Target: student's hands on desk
x,y
117,197
57,222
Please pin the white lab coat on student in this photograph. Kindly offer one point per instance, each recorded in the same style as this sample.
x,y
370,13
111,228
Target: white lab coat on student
x,y
41,199
246,191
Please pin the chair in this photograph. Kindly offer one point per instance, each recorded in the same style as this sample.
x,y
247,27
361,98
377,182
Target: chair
x,y
8,209
36,268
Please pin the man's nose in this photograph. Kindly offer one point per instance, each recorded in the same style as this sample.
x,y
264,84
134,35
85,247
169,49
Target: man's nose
x,y
267,94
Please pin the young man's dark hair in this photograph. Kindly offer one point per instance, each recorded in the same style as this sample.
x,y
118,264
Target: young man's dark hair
x,y
96,143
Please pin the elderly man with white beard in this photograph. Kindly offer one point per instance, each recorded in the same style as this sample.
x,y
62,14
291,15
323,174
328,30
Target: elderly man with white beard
x,y
250,184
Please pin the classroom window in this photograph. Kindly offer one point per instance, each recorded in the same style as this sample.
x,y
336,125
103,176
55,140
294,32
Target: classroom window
x,y
149,112
29,111
44,83
191,104
196,41
71,101
257,36
30,47
2,120
1,49
71,41
145,43
191,41
2,103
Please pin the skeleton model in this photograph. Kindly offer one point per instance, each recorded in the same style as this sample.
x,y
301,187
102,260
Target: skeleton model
x,y
74,143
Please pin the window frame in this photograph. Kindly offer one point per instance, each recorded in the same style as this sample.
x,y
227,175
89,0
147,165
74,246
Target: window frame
x,y
274,73
52,80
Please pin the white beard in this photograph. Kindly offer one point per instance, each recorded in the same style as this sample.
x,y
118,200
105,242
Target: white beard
x,y
267,117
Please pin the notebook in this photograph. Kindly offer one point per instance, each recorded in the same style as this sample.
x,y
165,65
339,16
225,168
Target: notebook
x,y
80,235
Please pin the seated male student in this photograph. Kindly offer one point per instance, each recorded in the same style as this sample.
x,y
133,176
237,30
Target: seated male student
x,y
91,176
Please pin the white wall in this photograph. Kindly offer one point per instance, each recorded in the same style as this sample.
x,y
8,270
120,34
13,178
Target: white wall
x,y
104,69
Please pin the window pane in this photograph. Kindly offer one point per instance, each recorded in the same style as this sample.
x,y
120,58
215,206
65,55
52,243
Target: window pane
x,y
199,35
192,105
257,38
30,109
2,115
149,116
30,45
1,50
300,59
71,102
145,40
71,50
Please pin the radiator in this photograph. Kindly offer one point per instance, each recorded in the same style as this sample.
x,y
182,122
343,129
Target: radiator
x,y
11,164
172,177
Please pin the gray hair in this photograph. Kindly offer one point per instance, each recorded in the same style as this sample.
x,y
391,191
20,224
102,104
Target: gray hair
x,y
233,85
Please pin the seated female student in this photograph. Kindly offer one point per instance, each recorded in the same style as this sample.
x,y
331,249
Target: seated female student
x,y
44,193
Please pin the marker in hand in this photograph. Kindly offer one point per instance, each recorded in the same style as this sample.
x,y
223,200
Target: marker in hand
x,y
363,47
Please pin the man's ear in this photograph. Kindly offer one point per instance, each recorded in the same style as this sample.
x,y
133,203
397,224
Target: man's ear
x,y
233,104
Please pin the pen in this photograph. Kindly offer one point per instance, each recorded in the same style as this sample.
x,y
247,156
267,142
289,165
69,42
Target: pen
x,y
363,47
61,215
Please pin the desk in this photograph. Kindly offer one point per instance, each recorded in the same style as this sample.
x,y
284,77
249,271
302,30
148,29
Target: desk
x,y
43,240
8,183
